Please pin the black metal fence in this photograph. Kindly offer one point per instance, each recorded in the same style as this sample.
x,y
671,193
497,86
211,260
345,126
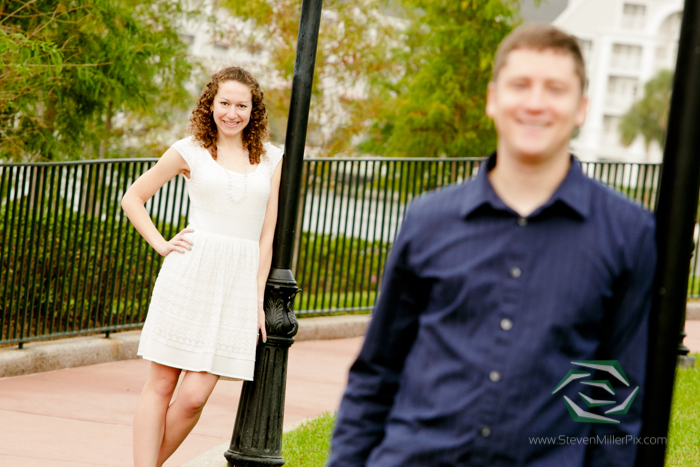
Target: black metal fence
x,y
72,264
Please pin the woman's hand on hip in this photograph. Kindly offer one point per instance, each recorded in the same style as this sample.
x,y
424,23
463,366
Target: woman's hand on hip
x,y
178,243
261,323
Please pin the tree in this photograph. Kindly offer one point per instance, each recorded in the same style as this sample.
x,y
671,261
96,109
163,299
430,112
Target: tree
x,y
437,107
70,70
357,46
393,77
648,117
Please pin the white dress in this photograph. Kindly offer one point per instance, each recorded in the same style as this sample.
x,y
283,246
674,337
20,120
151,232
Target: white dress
x,y
203,312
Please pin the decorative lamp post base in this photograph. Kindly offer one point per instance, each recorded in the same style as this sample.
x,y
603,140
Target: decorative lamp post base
x,y
236,459
685,361
257,435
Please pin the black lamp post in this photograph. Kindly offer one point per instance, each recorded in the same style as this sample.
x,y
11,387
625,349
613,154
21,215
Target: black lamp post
x,y
257,435
675,222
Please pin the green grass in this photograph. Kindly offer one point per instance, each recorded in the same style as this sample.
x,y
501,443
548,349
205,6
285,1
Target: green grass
x,y
308,445
684,433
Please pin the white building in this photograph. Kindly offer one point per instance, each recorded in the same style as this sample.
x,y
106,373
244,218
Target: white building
x,y
625,43
208,41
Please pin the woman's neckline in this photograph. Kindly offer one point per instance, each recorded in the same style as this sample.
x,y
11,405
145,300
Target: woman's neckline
x,y
229,170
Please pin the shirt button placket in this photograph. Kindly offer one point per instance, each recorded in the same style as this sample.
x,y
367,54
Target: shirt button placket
x,y
522,222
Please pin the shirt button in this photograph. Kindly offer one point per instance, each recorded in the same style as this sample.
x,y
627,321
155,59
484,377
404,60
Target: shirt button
x,y
485,432
495,376
506,324
515,272
522,222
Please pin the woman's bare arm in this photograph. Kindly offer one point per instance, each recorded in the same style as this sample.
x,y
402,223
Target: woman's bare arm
x,y
133,202
266,237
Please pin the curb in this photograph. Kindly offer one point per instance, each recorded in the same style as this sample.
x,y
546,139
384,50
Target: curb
x,y
72,352
692,310
215,456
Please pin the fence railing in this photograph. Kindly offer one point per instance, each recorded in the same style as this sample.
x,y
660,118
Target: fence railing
x,y
72,264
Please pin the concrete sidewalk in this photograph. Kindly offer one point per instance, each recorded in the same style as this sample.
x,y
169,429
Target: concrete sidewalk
x,y
82,416
692,340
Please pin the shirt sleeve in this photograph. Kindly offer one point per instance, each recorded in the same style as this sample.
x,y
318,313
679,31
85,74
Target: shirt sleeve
x,y
626,341
188,151
275,154
374,377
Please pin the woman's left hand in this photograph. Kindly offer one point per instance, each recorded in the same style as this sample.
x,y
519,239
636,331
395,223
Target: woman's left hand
x,y
261,323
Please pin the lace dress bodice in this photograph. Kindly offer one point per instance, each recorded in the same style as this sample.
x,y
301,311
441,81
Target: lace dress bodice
x,y
213,209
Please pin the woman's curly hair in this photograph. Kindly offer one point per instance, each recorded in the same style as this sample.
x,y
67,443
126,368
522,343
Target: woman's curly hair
x,y
202,123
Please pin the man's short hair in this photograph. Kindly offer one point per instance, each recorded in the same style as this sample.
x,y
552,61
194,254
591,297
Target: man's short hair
x,y
540,37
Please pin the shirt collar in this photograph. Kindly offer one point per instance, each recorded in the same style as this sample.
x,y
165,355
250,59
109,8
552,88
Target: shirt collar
x,y
573,193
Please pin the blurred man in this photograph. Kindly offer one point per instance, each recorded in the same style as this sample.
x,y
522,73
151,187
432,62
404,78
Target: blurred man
x,y
498,288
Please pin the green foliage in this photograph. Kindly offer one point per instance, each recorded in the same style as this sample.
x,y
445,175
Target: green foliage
x,y
357,43
648,117
338,271
437,106
329,302
309,444
70,71
399,77
693,285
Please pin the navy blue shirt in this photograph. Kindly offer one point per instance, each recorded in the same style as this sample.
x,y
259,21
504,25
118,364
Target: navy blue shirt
x,y
482,313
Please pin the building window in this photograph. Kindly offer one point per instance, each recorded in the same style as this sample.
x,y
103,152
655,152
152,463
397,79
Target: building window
x,y
667,42
586,47
671,27
626,57
187,39
633,16
661,53
610,132
621,93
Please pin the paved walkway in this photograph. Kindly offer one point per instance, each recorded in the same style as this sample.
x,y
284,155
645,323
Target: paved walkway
x,y
80,417
692,340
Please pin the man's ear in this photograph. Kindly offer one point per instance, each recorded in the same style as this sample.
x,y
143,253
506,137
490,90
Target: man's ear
x,y
581,112
491,99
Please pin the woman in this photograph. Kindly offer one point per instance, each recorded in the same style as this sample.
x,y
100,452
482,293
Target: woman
x,y
207,304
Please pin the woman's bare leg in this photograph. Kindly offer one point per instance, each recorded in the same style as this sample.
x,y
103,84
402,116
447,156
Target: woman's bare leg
x,y
185,410
149,421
